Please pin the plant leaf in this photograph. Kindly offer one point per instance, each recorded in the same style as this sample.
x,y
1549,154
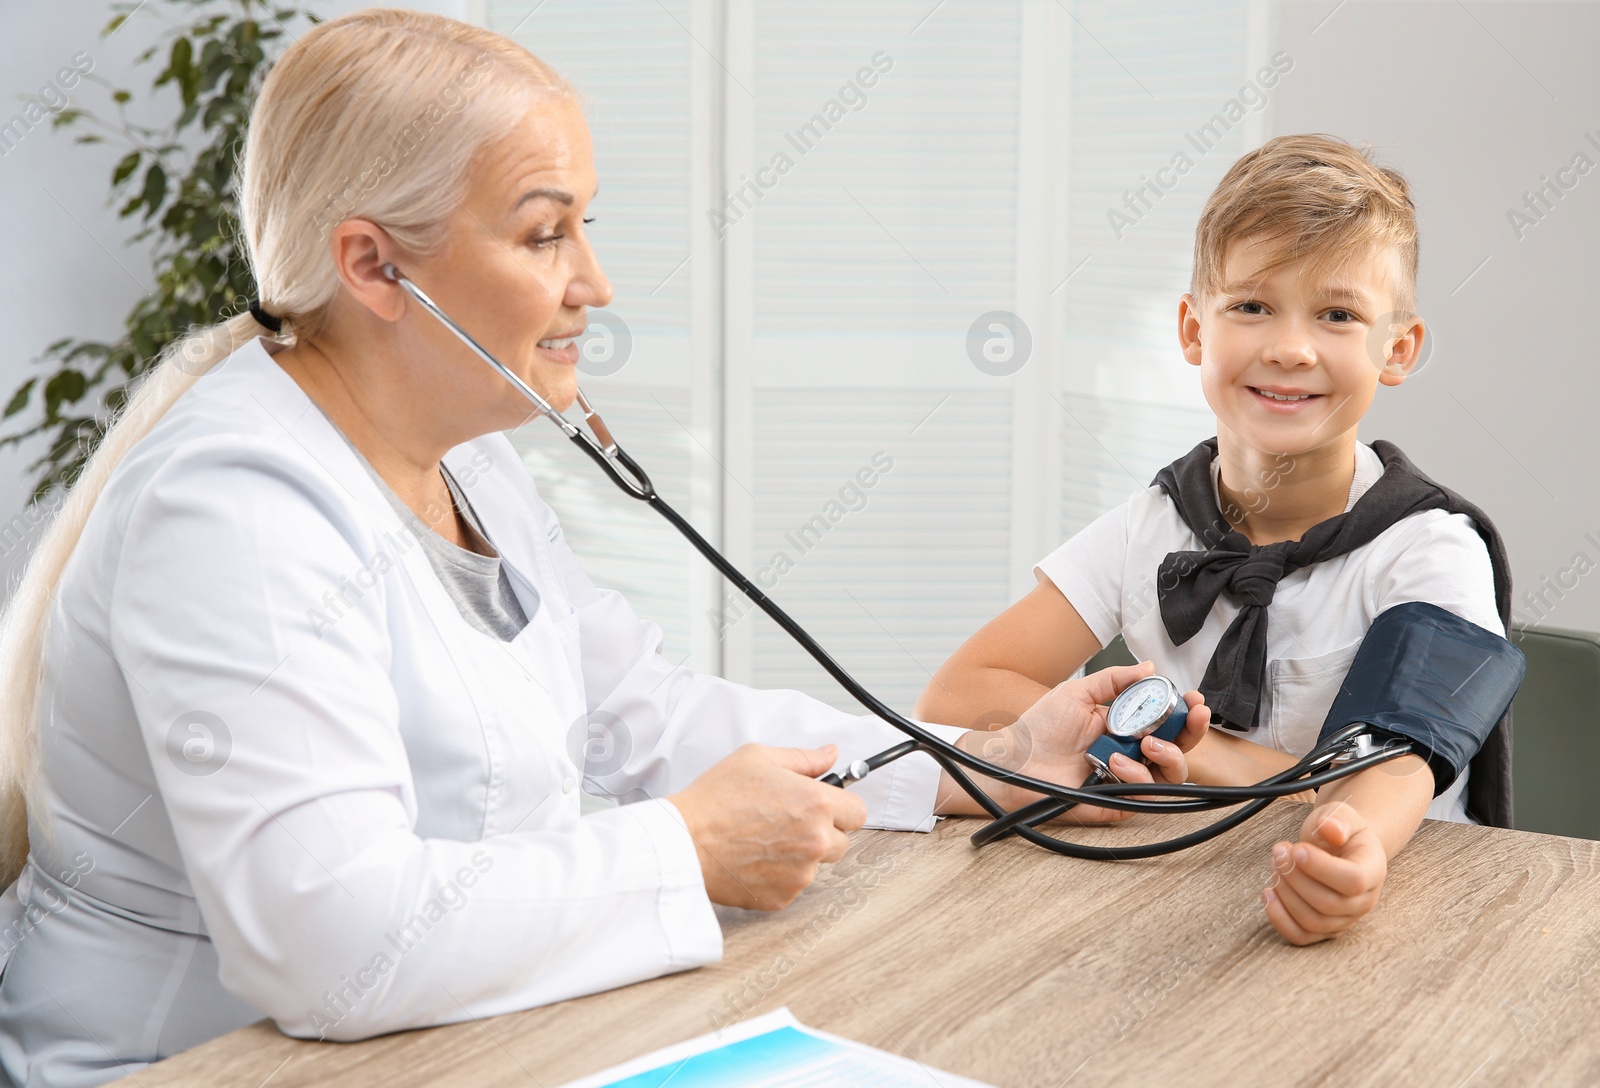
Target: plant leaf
x,y
155,188
125,168
67,385
19,399
185,187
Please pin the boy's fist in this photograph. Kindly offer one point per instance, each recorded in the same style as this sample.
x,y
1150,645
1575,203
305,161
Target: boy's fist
x,y
1329,880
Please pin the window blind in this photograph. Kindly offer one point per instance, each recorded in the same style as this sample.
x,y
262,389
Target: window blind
x,y
805,208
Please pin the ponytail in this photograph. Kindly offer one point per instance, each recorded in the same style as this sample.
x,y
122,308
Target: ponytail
x,y
26,617
376,115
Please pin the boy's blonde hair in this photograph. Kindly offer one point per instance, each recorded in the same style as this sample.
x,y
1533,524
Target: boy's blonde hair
x,y
1308,195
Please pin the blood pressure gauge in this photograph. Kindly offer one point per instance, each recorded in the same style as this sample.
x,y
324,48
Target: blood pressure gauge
x,y
1153,705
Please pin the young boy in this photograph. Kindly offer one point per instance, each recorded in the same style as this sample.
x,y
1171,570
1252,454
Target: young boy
x,y
1252,567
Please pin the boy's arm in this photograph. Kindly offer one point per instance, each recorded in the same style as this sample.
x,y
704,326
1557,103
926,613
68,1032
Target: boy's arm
x,y
1006,668
1024,652
1332,877
1361,822
1010,663
1042,639
1225,759
1393,797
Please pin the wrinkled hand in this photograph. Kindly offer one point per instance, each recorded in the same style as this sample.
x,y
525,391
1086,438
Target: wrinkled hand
x,y
1049,739
762,824
1329,880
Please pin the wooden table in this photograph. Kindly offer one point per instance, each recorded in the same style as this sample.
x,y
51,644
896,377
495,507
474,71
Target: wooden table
x,y
1018,967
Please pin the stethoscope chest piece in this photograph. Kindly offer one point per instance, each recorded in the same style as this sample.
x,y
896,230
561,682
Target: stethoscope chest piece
x,y
1151,706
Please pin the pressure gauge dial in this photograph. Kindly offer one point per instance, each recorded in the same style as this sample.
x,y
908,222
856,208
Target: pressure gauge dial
x,y
1153,705
1142,709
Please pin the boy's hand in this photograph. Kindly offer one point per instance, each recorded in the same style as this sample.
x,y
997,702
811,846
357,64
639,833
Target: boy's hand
x,y
1168,761
1329,880
1053,734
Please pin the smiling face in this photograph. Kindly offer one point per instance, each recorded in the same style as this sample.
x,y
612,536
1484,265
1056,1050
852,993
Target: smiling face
x,y
1289,360
517,271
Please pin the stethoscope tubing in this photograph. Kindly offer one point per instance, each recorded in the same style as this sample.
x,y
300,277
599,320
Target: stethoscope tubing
x,y
1282,784
635,483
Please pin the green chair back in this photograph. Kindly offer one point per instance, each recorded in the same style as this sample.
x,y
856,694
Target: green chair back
x,y
1114,654
1554,739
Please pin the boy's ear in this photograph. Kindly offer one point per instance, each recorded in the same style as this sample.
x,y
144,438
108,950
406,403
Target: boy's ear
x,y
1396,341
1189,328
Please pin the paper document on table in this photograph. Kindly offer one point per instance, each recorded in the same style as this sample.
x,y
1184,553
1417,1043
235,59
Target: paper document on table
x,y
772,1051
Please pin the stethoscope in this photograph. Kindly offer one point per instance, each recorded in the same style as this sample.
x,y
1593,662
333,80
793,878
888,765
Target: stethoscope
x,y
1153,705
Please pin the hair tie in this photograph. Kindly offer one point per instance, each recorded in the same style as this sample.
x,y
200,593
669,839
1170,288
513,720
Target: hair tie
x,y
266,320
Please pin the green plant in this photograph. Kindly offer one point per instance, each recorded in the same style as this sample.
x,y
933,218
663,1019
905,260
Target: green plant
x,y
179,180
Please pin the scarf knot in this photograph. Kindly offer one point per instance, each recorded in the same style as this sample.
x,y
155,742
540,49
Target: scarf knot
x,y
1191,582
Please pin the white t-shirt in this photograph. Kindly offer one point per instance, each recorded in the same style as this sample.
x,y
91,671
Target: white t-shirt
x,y
1318,615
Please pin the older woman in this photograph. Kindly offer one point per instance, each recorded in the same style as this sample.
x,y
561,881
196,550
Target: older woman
x,y
290,681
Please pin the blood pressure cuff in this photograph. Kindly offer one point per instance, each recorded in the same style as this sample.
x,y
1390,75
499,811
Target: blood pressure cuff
x,y
1433,678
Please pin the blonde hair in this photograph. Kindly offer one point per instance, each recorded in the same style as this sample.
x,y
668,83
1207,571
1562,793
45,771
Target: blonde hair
x,y
376,115
1308,195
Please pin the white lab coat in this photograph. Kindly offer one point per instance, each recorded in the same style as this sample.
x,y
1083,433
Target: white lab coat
x,y
287,778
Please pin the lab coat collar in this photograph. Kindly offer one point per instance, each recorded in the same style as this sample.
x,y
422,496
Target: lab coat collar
x,y
497,485
533,682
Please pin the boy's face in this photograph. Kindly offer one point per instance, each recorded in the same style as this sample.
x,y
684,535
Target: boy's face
x,y
1290,362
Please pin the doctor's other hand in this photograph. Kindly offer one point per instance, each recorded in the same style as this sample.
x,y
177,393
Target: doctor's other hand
x,y
762,824
1049,739
1329,880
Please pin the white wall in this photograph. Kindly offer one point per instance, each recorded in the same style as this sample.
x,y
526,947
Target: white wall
x,y
1477,104
1474,104
67,270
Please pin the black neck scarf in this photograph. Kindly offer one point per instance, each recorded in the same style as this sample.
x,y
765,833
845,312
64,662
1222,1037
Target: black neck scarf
x,y
1189,584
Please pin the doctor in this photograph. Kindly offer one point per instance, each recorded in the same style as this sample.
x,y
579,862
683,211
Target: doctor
x,y
291,681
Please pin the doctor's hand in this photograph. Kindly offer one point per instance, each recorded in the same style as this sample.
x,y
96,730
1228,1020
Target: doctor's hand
x,y
1049,739
762,824
1329,880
